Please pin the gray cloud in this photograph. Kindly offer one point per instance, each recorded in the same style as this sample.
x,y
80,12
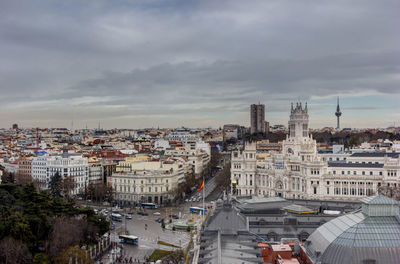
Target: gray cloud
x,y
192,61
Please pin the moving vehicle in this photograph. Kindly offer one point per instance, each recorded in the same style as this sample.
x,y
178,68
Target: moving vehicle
x,y
156,213
159,220
116,217
128,216
197,210
149,205
133,240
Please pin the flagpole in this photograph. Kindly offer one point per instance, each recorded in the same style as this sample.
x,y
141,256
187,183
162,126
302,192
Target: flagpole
x,y
204,185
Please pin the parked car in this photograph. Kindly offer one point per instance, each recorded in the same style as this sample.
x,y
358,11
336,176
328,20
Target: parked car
x,y
159,220
142,213
174,216
128,216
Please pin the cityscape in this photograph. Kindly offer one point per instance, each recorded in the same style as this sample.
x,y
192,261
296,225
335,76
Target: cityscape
x,y
175,132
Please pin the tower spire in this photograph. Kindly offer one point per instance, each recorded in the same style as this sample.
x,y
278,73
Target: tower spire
x,y
338,114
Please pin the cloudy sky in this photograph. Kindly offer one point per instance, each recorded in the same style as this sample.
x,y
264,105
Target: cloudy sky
x,y
134,64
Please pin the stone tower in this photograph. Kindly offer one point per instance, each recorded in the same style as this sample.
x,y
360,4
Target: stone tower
x,y
299,143
298,122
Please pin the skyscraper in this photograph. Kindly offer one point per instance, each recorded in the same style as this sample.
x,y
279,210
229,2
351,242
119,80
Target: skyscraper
x,y
338,114
257,118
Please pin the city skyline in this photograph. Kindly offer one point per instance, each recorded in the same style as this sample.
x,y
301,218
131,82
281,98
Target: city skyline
x,y
131,64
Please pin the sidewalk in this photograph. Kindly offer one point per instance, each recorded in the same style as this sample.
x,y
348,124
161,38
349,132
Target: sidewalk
x,y
111,256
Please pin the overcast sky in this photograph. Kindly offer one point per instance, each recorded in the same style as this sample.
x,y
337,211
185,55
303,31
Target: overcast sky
x,y
135,64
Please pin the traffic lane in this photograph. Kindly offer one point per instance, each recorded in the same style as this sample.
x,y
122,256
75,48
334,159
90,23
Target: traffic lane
x,y
149,232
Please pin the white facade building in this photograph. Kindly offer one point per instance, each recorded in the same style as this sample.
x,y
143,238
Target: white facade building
x,y
198,158
182,135
300,172
67,165
147,181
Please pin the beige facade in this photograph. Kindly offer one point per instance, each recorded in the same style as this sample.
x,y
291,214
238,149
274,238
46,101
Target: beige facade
x,y
147,181
24,169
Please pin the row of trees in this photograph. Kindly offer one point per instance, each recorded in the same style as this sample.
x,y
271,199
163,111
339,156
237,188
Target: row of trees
x,y
390,191
63,187
190,179
41,227
346,138
224,176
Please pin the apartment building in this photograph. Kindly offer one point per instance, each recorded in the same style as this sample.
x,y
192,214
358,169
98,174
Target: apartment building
x,y
66,164
147,181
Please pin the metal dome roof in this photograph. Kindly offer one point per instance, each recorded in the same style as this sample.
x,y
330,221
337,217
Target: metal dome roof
x,y
375,238
379,199
358,237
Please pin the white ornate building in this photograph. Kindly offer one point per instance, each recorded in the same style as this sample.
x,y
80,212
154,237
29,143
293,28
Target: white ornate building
x,y
67,165
147,181
298,171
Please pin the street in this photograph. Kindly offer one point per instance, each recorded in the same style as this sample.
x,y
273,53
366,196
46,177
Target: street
x,y
149,231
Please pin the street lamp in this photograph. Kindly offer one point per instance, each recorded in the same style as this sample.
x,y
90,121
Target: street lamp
x,y
234,183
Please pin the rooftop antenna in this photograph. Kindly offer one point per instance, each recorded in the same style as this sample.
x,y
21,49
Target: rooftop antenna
x,y
338,113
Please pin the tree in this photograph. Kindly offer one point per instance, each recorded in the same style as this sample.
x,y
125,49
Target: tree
x,y
41,222
215,158
100,192
14,251
176,257
41,258
224,177
7,177
67,186
22,178
55,185
390,191
74,255
66,231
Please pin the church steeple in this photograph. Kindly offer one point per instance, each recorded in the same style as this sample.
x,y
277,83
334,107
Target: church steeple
x,y
338,114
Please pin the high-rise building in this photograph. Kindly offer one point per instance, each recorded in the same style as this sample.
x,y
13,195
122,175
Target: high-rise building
x,y
338,114
257,118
